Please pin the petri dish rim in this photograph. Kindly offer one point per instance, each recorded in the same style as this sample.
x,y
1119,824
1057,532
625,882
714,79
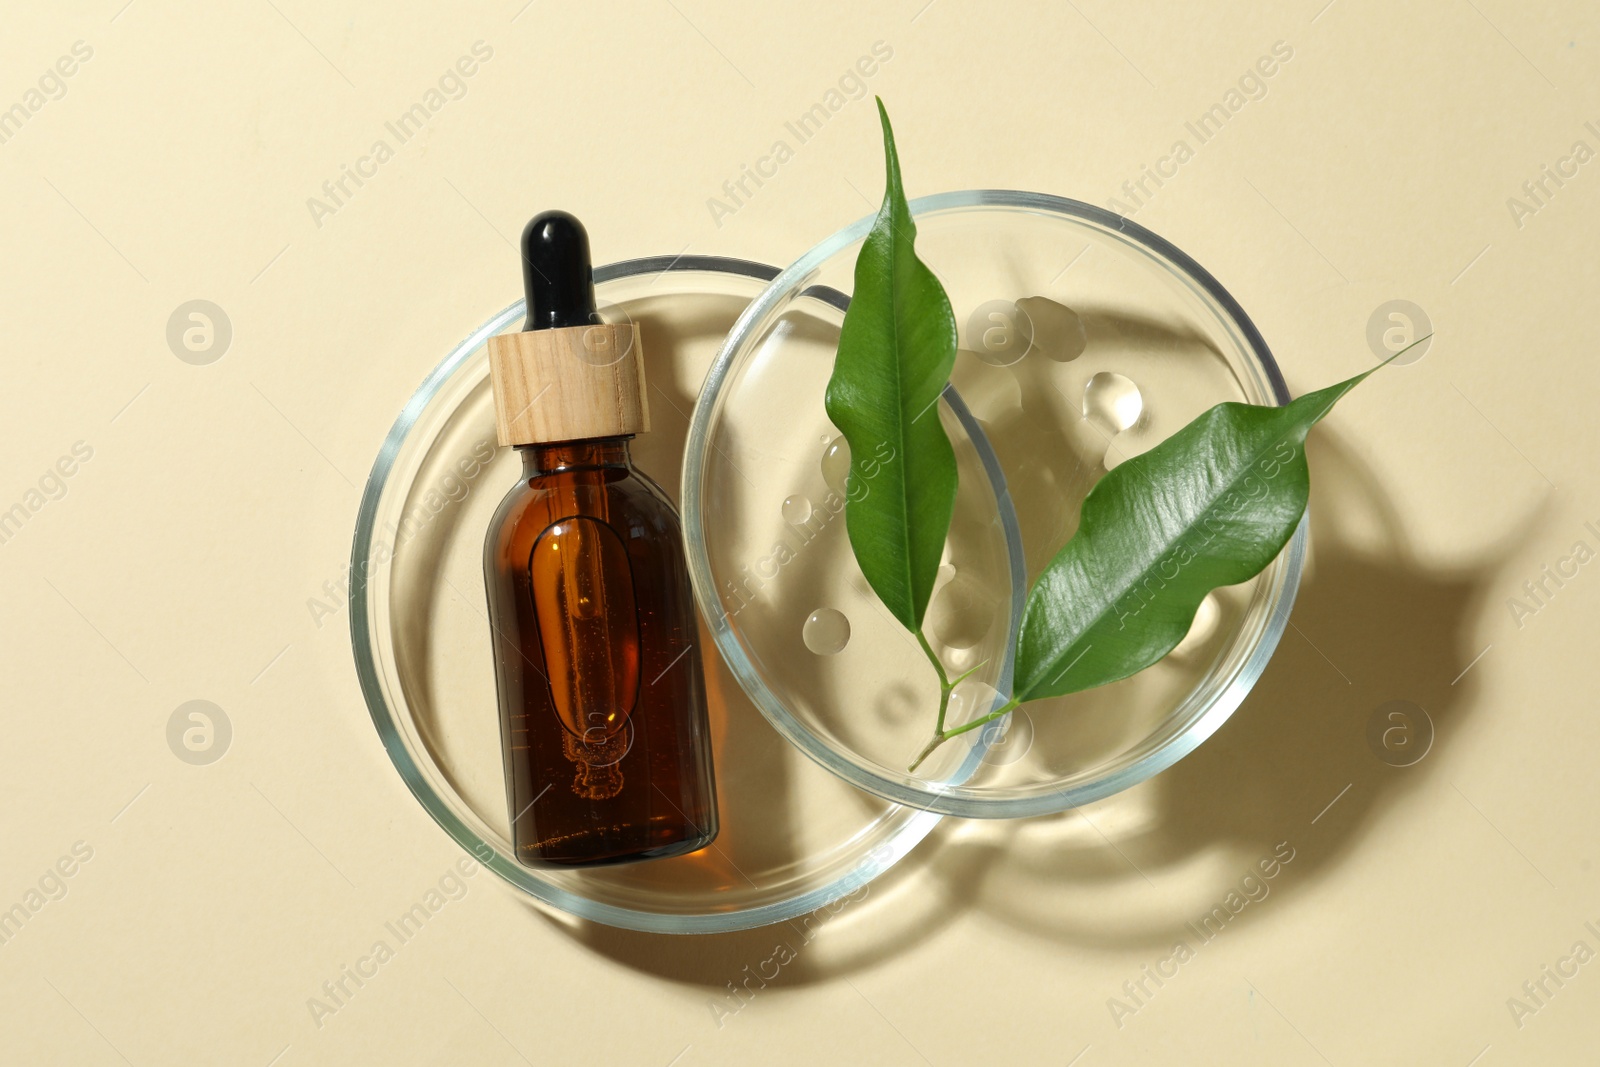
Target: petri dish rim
x,y
916,826
950,797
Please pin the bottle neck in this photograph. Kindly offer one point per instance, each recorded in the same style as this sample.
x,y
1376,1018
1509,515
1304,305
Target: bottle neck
x,y
575,455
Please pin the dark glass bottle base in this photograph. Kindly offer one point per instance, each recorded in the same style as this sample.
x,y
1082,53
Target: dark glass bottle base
x,y
621,844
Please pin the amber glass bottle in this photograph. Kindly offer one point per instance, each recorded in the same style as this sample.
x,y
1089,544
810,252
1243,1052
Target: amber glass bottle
x,y
602,709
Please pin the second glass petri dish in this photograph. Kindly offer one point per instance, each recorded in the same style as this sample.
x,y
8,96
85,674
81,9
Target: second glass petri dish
x,y
1084,339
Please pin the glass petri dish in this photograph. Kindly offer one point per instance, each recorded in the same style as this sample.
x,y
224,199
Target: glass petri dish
x,y
794,838
1084,339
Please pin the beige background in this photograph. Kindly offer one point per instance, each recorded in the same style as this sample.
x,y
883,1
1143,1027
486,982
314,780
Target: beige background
x,y
177,166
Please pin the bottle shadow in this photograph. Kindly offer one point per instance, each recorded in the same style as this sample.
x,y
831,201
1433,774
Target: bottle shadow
x,y
751,767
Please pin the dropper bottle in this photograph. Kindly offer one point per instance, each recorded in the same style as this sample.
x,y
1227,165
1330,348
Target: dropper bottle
x,y
602,709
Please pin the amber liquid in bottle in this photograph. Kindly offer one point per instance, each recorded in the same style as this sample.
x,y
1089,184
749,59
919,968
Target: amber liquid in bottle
x,y
602,707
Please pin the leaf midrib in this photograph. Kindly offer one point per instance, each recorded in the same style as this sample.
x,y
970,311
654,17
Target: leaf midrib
x,y
902,427
1145,569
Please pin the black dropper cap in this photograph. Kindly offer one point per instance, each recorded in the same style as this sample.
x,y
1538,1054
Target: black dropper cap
x,y
557,275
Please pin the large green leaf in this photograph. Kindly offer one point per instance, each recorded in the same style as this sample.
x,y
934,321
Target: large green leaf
x,y
896,349
1210,506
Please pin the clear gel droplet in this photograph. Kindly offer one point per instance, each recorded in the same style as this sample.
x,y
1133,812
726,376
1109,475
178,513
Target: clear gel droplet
x,y
796,510
1112,401
836,464
826,631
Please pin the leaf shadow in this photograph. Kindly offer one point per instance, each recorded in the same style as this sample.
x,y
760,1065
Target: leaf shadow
x,y
1294,765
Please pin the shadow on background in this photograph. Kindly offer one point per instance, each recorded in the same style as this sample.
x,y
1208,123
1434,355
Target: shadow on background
x,y
1371,625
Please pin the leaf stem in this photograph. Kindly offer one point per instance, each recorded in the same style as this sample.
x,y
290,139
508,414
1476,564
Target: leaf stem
x,y
1005,709
947,685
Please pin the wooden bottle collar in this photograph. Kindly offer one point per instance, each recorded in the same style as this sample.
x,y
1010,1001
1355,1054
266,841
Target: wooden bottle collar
x,y
568,384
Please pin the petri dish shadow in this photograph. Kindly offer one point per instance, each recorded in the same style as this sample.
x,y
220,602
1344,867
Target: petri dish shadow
x,y
1372,624
890,915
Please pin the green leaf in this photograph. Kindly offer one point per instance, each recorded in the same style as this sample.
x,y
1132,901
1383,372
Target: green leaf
x,y
1210,506
896,349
